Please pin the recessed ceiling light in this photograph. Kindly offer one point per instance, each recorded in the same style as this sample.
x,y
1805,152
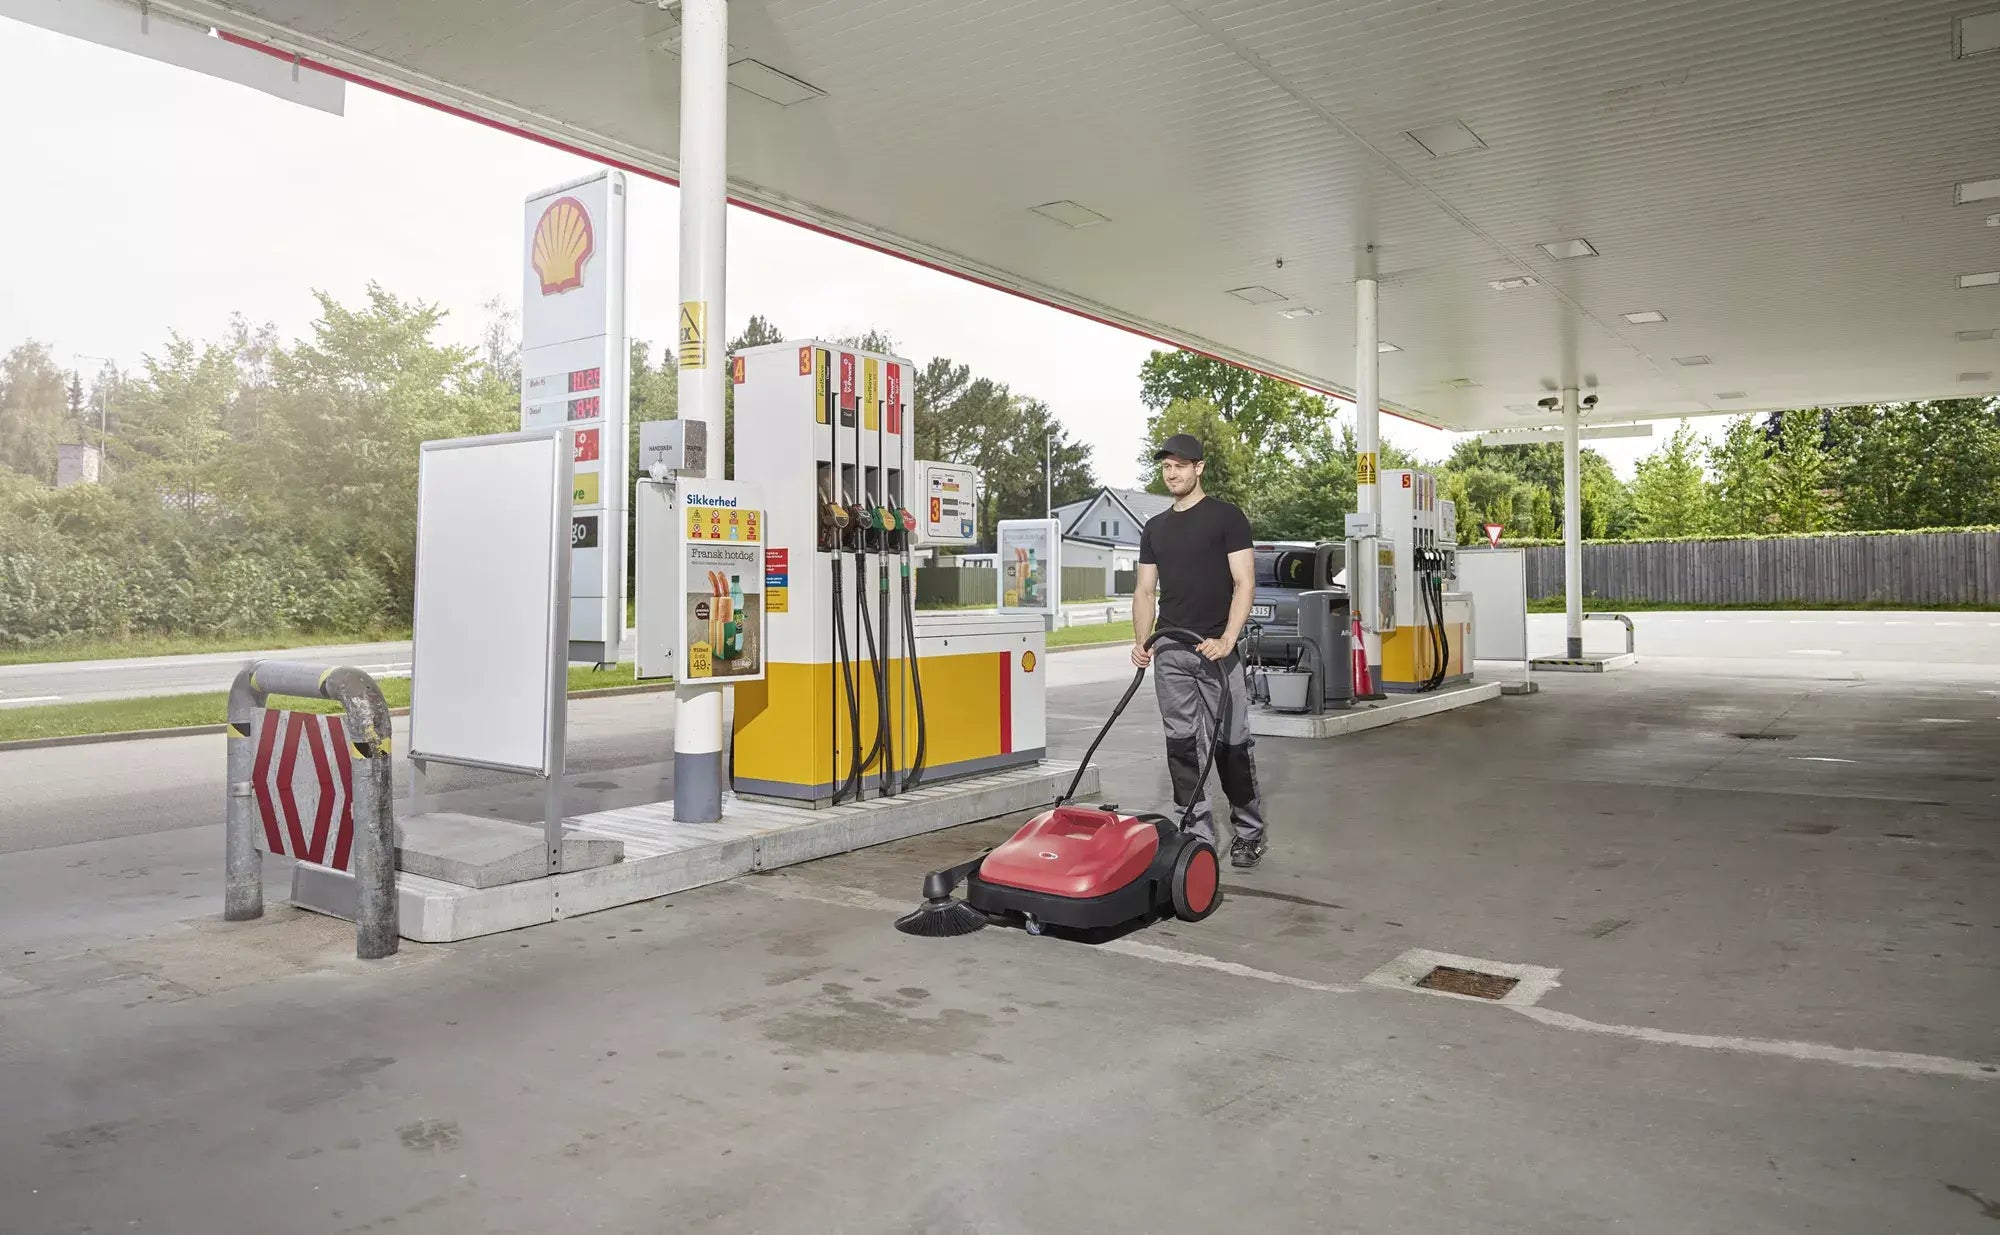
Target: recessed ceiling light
x,y
1975,336
1691,361
1514,284
1976,191
1990,278
1439,140
1975,377
765,82
1561,249
1993,220
1296,314
1645,317
1461,383
1732,394
1256,294
1383,345
1975,34
1069,214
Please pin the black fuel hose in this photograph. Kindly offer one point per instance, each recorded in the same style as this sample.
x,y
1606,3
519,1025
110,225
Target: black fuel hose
x,y
853,782
916,775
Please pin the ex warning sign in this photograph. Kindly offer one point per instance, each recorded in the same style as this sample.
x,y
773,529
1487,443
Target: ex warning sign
x,y
1364,469
694,334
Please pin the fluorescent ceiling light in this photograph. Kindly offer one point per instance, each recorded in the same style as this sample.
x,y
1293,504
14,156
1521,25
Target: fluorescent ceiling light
x,y
1561,249
1461,383
1645,317
1975,336
1296,314
1732,394
1069,214
760,79
1975,377
1383,345
1990,278
1976,34
1993,220
1976,191
1514,284
1256,294
1689,362
1451,137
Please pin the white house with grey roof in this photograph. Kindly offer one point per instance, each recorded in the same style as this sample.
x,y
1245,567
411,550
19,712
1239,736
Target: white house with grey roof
x,y
1103,530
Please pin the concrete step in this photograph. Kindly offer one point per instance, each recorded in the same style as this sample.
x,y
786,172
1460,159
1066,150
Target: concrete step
x,y
487,853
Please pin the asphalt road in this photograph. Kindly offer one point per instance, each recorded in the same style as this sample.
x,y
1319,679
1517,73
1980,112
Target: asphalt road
x,y
1774,1011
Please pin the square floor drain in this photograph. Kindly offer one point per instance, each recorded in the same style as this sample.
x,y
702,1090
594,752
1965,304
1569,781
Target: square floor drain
x,y
1454,981
1466,977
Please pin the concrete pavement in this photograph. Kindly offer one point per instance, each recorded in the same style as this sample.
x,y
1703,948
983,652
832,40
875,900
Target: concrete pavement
x,y
1771,900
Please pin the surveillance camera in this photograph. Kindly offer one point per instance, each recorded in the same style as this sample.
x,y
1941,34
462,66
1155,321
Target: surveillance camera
x,y
1589,401
1549,403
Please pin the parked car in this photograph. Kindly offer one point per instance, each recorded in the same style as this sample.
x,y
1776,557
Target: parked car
x,y
1284,569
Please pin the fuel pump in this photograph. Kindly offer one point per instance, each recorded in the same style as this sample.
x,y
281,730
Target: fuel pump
x,y
828,435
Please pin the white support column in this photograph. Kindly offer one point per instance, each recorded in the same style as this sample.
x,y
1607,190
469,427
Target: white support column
x,y
704,197
1361,576
1572,522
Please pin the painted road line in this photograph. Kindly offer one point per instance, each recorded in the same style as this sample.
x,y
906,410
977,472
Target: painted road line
x,y
1816,652
14,703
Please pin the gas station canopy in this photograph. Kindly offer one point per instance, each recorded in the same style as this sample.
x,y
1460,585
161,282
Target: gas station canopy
x,y
1683,206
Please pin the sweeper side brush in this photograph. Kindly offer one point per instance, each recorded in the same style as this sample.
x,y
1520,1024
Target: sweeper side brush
x,y
1085,868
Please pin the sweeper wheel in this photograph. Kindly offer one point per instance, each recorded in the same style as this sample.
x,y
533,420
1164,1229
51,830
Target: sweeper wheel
x,y
1197,882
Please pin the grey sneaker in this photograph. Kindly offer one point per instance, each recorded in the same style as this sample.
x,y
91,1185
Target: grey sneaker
x,y
1244,854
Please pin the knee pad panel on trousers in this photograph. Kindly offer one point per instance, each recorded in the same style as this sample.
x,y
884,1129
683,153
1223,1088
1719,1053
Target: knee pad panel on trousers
x,y
1239,773
1184,766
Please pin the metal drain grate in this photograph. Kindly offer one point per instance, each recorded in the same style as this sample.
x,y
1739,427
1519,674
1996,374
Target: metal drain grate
x,y
1467,982
1764,737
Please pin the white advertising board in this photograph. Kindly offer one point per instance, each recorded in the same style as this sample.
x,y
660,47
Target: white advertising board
x,y
574,361
488,668
1498,581
721,584
656,582
1030,552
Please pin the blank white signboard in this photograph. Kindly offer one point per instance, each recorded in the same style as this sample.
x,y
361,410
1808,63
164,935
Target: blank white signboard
x,y
1498,581
488,620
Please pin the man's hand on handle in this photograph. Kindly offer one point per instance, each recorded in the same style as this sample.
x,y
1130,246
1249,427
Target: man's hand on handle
x,y
1140,656
1216,649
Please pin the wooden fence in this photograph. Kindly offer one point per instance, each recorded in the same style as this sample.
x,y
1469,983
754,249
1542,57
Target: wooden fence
x,y
1914,568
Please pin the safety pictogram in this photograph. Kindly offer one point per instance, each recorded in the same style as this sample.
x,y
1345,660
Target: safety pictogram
x,y
303,781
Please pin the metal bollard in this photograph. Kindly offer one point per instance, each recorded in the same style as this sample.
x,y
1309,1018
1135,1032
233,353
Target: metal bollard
x,y
368,732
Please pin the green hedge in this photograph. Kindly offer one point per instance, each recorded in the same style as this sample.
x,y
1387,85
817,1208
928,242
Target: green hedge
x,y
1530,543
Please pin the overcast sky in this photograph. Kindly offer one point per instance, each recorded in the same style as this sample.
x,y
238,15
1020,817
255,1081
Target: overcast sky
x,y
148,198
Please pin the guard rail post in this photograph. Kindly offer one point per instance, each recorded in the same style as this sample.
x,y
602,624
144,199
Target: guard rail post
x,y
370,803
1631,636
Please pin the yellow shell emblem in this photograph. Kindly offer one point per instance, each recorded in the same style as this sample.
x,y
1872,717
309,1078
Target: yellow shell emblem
x,y
1027,662
564,241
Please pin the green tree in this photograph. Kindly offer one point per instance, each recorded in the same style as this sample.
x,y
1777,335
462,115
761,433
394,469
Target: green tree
x,y
1799,473
1911,465
34,413
1743,488
981,423
173,436
1535,510
1250,402
1669,495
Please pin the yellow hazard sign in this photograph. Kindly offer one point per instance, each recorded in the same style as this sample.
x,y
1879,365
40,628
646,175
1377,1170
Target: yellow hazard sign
x,y
1364,469
694,334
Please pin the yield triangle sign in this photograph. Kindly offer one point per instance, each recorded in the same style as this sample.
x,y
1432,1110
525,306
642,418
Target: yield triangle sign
x,y
1492,534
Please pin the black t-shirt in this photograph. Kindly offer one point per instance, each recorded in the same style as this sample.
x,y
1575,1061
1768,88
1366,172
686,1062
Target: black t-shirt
x,y
1191,548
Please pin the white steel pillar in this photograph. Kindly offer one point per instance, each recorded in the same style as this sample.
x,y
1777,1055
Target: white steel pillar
x,y
1362,575
704,167
1572,522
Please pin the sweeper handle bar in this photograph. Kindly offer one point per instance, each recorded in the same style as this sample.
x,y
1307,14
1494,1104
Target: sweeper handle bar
x,y
1178,635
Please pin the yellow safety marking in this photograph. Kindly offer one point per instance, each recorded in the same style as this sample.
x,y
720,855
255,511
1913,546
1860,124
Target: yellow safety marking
x,y
323,677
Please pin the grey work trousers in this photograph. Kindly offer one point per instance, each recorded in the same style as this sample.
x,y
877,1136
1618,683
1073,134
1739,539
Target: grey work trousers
x,y
1190,696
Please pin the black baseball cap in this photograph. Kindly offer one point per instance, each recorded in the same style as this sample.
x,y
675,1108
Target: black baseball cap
x,y
1181,446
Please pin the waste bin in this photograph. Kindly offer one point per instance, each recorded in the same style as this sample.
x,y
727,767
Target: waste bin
x,y
1325,627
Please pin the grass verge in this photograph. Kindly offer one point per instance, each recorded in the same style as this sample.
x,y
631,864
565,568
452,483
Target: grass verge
x,y
1073,636
69,720
184,645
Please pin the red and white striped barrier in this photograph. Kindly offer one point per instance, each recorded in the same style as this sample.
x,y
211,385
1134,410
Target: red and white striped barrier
x,y
303,781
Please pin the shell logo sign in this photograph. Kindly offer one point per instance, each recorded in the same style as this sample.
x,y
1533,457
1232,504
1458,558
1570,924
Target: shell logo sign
x,y
564,241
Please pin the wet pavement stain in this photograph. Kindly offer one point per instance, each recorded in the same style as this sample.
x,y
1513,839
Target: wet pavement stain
x,y
838,1022
430,1135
